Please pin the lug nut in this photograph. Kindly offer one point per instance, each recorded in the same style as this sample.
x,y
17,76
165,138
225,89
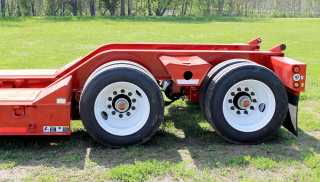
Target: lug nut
x,y
113,112
129,93
251,107
120,115
128,113
245,112
133,108
233,94
134,100
254,100
115,93
252,93
238,112
246,89
232,108
110,99
230,100
239,89
122,90
109,106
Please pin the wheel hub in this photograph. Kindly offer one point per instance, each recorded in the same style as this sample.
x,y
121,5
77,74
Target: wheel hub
x,y
249,105
121,105
244,102
122,108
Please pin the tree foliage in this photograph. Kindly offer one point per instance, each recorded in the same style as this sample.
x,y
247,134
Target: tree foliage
x,y
255,8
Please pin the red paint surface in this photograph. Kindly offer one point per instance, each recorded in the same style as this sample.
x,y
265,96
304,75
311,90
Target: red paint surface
x,y
164,61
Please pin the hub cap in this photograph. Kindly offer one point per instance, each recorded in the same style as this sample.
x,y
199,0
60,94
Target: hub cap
x,y
122,108
122,105
244,102
249,105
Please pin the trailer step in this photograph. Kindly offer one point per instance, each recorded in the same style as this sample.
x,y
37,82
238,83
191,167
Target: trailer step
x,y
18,94
28,72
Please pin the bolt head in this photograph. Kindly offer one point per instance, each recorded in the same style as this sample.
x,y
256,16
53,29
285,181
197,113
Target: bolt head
x,y
120,115
129,93
251,107
252,93
232,108
134,100
113,112
238,112
230,100
115,93
133,108
245,112
109,106
233,94
254,100
246,89
110,99
128,113
122,90
239,89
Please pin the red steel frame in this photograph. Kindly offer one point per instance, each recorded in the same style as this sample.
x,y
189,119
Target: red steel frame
x,y
164,61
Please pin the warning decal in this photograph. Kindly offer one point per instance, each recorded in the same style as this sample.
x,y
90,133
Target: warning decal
x,y
56,129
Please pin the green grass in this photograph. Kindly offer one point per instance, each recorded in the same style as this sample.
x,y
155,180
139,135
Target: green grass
x,y
185,147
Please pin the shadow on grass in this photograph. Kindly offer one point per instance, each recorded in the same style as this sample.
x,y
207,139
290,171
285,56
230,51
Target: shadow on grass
x,y
173,19
183,132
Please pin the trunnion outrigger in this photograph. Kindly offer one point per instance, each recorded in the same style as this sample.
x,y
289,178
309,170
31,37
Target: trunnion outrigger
x,y
245,94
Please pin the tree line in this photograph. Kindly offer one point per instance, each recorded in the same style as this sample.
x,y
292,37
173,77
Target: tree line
x,y
252,8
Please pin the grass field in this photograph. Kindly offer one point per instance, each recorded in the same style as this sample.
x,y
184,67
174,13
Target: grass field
x,y
185,148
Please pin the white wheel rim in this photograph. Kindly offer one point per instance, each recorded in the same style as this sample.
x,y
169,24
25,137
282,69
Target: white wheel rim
x,y
252,120
109,117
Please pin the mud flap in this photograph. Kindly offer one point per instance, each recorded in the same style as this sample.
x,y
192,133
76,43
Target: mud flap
x,y
291,121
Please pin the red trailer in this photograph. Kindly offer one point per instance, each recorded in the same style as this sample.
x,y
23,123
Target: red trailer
x,y
244,93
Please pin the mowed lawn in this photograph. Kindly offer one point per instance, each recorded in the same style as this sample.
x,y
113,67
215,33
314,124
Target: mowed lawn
x,y
185,148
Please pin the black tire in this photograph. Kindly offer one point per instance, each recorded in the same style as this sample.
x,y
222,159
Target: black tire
x,y
211,74
117,63
115,73
225,80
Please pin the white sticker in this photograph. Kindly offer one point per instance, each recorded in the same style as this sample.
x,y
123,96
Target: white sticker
x,y
296,77
59,128
46,129
61,100
189,82
56,129
301,77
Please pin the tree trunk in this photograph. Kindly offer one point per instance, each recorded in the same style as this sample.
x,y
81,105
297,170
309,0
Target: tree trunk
x,y
185,7
182,7
122,13
74,5
80,8
92,7
2,8
129,7
149,8
9,12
